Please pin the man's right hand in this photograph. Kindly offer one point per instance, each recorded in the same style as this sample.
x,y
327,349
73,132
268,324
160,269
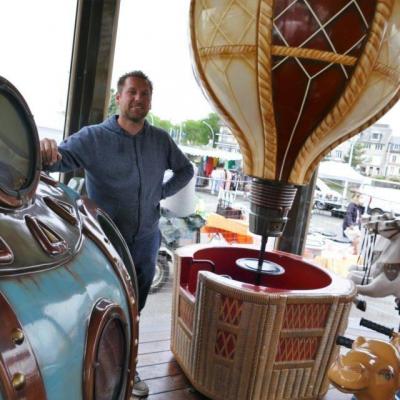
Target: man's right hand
x,y
49,152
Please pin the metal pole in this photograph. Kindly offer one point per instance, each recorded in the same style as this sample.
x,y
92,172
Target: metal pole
x,y
346,183
212,132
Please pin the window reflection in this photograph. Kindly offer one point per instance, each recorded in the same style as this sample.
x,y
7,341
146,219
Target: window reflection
x,y
16,147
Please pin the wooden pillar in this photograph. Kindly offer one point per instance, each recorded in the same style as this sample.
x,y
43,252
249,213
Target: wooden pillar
x,y
91,67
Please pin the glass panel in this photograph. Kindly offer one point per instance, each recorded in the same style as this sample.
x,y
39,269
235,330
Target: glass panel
x,y
16,147
37,58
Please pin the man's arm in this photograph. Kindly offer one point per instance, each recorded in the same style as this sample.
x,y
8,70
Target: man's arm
x,y
71,154
182,171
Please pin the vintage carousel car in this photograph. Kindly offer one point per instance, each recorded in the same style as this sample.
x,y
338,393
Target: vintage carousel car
x,y
238,335
69,319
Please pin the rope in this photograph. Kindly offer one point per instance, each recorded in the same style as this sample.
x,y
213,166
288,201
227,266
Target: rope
x,y
313,54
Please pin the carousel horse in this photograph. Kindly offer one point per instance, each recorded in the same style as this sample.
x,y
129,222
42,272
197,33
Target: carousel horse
x,y
379,276
68,297
372,247
385,280
370,370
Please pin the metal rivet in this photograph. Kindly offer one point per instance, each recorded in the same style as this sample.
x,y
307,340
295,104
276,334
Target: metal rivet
x,y
18,381
106,240
17,336
136,342
131,383
133,301
137,318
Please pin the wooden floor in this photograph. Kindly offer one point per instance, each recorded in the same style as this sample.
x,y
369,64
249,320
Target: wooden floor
x,y
165,379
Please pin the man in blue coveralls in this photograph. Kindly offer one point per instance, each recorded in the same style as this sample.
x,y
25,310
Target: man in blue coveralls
x,y
124,159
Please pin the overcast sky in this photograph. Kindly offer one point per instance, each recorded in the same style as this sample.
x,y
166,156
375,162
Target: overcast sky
x,y
152,35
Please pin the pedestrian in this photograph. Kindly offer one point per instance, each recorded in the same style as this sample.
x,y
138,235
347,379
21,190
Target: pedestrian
x,y
352,221
124,159
218,176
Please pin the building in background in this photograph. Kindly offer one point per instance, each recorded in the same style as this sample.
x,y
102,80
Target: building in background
x,y
340,152
375,141
392,168
226,140
380,152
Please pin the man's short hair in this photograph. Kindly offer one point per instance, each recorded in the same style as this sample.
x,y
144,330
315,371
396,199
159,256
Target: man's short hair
x,y
133,74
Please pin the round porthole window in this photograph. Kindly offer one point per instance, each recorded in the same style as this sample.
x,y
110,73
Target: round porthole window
x,y
105,374
19,148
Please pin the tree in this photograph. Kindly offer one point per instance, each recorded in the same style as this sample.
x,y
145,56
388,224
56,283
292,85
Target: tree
x,y
112,106
201,132
358,155
213,122
165,124
195,132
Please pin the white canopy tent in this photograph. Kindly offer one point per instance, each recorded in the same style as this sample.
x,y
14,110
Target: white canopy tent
x,y
211,152
341,172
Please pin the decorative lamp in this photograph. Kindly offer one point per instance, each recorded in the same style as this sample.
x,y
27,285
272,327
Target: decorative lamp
x,y
294,79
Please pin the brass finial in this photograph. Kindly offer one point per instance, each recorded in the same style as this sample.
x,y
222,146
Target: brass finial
x,y
18,381
17,336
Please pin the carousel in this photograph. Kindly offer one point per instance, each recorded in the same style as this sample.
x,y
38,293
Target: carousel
x,y
292,80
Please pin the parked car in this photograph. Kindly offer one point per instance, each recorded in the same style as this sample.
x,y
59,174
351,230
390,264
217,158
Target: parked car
x,y
326,198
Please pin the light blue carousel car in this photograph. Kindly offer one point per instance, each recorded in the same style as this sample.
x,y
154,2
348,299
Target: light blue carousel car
x,y
68,305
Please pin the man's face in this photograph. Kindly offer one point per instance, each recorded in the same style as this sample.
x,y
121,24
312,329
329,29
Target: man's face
x,y
134,101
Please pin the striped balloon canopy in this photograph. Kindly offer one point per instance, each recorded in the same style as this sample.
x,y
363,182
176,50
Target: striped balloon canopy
x,y
295,78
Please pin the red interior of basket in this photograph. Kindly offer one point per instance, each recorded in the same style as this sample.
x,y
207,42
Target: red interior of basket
x,y
299,275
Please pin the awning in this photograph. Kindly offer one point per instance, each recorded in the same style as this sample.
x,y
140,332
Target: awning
x,y
210,152
341,172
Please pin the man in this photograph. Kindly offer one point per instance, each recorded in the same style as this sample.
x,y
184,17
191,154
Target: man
x,y
124,159
218,177
352,221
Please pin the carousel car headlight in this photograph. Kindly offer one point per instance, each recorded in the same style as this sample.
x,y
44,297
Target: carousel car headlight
x,y
106,357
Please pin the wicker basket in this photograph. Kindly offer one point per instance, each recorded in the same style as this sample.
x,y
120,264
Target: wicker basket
x,y
235,340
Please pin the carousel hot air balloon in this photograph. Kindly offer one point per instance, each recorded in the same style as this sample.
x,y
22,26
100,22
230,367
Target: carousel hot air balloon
x,y
292,79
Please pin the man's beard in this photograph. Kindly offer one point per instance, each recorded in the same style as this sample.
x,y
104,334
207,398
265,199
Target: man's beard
x,y
136,118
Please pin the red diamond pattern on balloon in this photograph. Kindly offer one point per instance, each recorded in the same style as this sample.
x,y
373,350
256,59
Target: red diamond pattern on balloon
x,y
230,311
324,21
306,316
297,348
315,85
225,345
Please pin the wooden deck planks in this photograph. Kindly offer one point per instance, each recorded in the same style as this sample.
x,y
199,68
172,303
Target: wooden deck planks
x,y
165,378
159,370
166,381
